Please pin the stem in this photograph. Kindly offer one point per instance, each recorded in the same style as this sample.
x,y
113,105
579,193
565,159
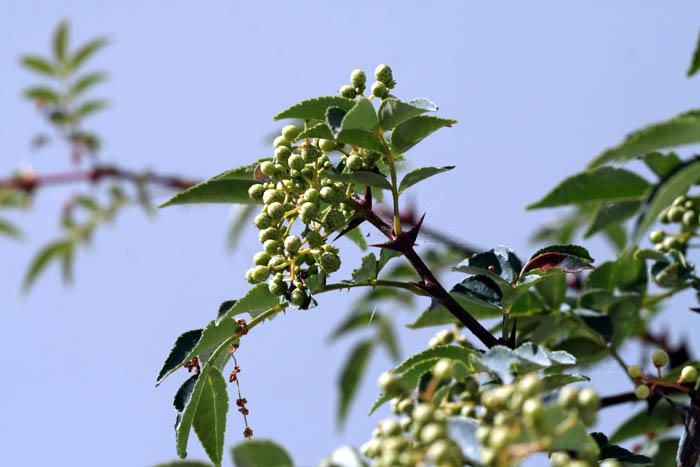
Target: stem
x,y
654,299
394,184
374,283
689,450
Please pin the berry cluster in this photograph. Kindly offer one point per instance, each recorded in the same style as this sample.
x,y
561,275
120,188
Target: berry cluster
x,y
379,89
685,211
646,385
301,183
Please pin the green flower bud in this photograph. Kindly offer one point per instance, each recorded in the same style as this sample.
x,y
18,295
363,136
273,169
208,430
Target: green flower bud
x,y
296,162
326,145
330,262
532,410
379,90
308,171
271,246
559,459
308,212
268,168
675,214
333,220
260,273
530,384
354,163
635,371
310,154
281,141
292,244
432,432
331,195
277,287
680,201
688,374
314,239
272,195
389,383
262,221
659,358
384,75
261,258
269,233
445,336
390,427
499,437
459,371
588,399
348,91
275,211
568,396
256,191
277,261
657,236
642,391
690,218
312,195
405,406
358,78
282,154
439,451
299,297
443,369
290,132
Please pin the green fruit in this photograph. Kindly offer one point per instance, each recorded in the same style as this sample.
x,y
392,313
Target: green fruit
x,y
445,336
348,91
532,410
268,168
530,385
312,195
269,233
299,297
641,391
308,172
588,399
330,195
261,258
635,371
272,195
657,236
688,374
310,154
559,459
314,238
672,243
499,437
249,276
690,218
610,463
443,369
432,432
271,246
275,211
675,214
389,383
262,221
256,191
379,90
277,261
282,154
260,273
292,244
290,132
333,220
308,212
330,262
281,141
384,75
459,371
423,413
277,287
354,163
405,406
659,358
296,162
390,427
358,78
568,396
326,145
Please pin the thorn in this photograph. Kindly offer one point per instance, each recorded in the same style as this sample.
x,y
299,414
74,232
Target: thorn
x,y
367,201
390,245
353,223
413,233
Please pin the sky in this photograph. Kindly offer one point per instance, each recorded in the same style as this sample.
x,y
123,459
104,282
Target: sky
x,y
538,88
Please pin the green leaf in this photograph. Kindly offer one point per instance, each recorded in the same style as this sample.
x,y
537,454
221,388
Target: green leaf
x,y
421,174
210,418
393,112
676,131
52,251
181,349
601,184
9,230
41,93
186,401
86,51
414,130
662,195
229,187
356,320
38,64
361,116
552,290
320,130
661,417
662,164
260,453
350,376
257,300
367,269
695,61
568,258
498,263
481,288
387,336
361,138
608,214
451,352
361,177
60,40
216,333
552,382
315,108
85,82
89,107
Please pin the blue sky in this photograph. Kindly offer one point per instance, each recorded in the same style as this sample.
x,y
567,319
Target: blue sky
x,y
539,88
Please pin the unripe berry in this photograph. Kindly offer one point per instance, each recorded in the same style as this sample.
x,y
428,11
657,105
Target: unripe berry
x,y
499,437
443,369
326,145
439,451
384,75
292,244
330,262
271,246
314,238
405,406
379,90
308,171
390,427
445,336
249,276
688,374
331,195
675,214
532,410
271,195
262,221
268,168
659,358
354,163
296,162
358,78
333,220
459,371
530,385
277,261
299,297
269,233
657,236
635,371
256,191
282,154
432,432
308,212
277,287
348,91
690,218
568,396
260,273
588,399
641,391
559,459
310,154
275,211
261,258
389,383
281,141
290,132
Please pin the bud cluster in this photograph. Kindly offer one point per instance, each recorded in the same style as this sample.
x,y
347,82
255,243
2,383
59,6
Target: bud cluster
x,y
645,384
684,211
380,88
